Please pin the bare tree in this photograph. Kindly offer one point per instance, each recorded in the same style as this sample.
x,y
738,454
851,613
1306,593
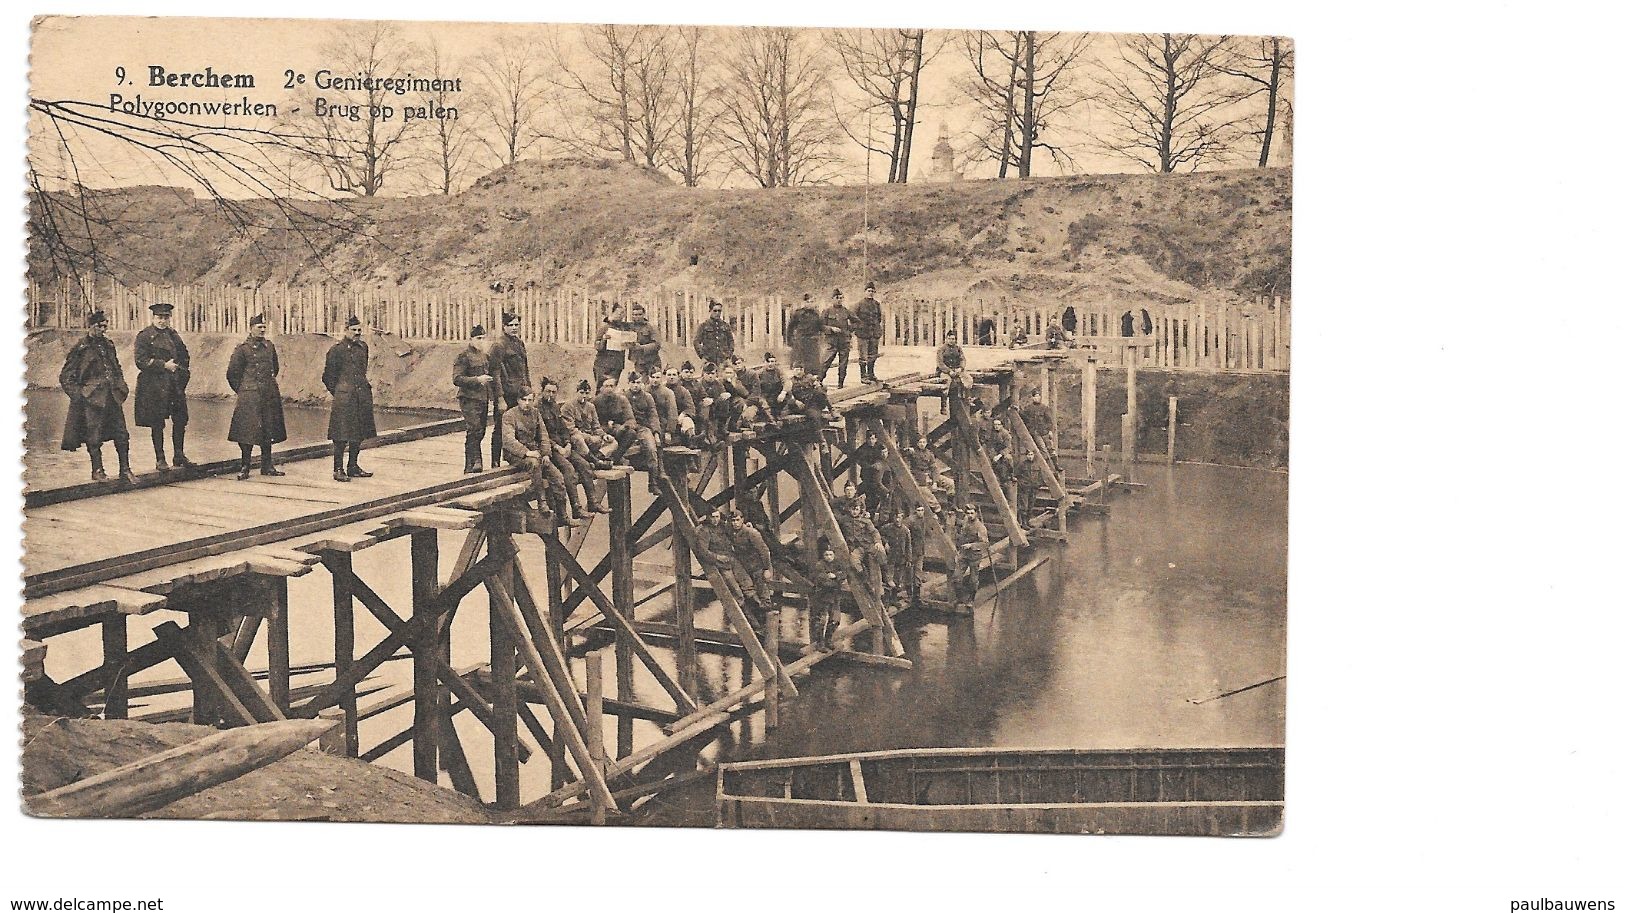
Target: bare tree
x,y
620,91
449,137
1022,85
1164,103
513,88
690,149
355,141
884,67
1262,68
775,102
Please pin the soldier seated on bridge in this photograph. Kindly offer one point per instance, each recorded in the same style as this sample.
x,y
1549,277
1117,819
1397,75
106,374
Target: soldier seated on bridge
x,y
805,396
710,411
950,363
600,446
679,392
568,455
828,581
768,379
636,445
525,442
1019,337
665,402
864,540
999,439
754,562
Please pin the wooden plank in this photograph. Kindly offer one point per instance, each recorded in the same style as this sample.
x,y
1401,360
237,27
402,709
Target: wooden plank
x,y
156,781
859,790
61,609
435,518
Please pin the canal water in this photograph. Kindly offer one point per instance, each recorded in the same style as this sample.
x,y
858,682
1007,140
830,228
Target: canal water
x,y
1175,598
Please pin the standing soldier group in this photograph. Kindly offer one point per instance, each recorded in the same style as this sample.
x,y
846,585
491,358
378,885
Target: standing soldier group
x,y
809,331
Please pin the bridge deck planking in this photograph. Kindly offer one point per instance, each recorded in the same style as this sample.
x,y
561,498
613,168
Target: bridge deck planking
x,y
80,532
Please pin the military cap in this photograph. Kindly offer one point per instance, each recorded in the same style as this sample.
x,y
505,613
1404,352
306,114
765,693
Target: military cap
x,y
869,287
688,366
354,321
162,308
835,294
96,317
710,367
769,356
633,377
509,317
258,320
478,331
584,387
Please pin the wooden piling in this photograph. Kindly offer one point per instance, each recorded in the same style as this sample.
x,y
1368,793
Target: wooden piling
x,y
1173,425
504,704
115,652
595,724
688,663
772,646
425,551
276,640
342,571
1128,448
1089,392
623,598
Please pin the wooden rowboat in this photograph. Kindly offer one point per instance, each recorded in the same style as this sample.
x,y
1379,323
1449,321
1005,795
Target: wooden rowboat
x,y
1193,791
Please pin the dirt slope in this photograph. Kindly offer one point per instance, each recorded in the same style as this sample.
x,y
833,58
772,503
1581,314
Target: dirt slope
x,y
612,226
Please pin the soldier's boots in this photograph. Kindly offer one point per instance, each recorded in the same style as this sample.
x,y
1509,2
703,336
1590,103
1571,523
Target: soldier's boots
x,y
124,473
596,489
97,473
267,467
161,464
178,435
355,471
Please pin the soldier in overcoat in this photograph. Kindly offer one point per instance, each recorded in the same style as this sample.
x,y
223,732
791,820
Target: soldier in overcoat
x,y
476,389
256,421
805,333
714,340
350,422
511,364
160,388
94,382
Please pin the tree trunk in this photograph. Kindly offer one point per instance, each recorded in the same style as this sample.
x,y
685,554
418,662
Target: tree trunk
x,y
1269,113
1010,109
1028,128
1170,99
910,112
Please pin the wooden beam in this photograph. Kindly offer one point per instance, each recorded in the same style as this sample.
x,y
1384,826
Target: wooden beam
x,y
1024,435
156,781
912,493
209,689
595,726
115,649
959,414
504,708
813,493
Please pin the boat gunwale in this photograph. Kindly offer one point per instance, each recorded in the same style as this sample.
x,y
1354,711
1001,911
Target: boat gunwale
x,y
898,753
852,803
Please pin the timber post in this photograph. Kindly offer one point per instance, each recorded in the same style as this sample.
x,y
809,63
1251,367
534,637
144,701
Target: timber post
x,y
276,641
621,594
505,701
595,725
342,570
425,552
772,646
115,653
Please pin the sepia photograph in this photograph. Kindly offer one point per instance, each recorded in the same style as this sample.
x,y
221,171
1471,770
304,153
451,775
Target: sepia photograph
x,y
657,425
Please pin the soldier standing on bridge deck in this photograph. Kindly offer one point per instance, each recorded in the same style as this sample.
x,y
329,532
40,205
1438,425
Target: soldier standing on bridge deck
x,y
805,333
645,348
351,421
714,340
476,388
610,358
869,325
970,538
898,538
1029,478
1040,423
512,364
257,418
838,330
94,382
160,388
919,528
755,564
526,443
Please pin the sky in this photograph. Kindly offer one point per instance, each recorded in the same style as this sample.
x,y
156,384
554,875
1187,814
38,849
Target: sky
x,y
77,57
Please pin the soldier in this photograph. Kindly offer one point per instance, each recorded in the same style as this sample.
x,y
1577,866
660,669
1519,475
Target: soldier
x,y
1018,337
838,332
566,457
753,563
160,388
644,351
582,415
94,382
869,325
828,581
999,440
970,537
898,538
805,333
864,540
1029,479
717,542
769,380
877,492
708,404
610,359
636,445
714,340
351,421
476,387
257,418
643,405
680,391
919,529
1040,423
869,455
950,363
665,399
1055,337
512,367
526,443
805,396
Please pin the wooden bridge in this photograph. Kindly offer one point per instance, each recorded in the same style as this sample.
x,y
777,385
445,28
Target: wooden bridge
x,y
213,557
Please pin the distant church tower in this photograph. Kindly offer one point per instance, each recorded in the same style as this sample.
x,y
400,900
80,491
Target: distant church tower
x,y
942,160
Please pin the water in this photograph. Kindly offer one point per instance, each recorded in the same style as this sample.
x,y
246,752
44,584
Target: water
x,y
48,466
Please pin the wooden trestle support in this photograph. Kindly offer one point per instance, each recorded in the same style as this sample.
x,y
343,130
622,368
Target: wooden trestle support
x,y
536,586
